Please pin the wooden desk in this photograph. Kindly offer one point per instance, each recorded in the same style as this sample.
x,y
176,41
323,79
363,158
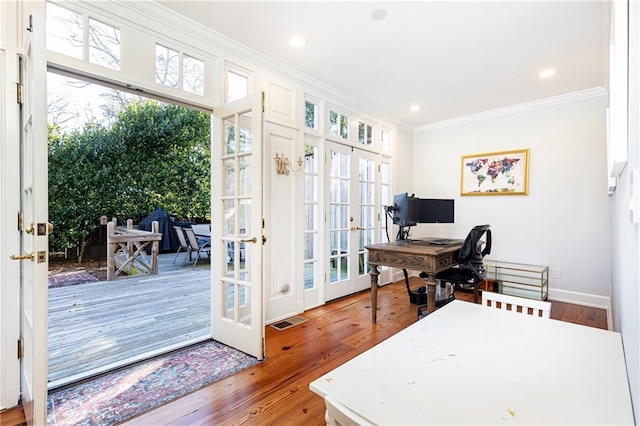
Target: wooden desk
x,y
470,364
416,255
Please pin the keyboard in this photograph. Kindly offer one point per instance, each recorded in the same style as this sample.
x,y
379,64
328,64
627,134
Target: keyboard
x,y
443,242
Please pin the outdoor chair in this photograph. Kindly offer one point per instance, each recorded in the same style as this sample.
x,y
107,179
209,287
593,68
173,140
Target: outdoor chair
x,y
183,243
196,245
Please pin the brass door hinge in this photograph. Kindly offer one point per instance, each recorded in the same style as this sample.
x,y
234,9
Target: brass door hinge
x,y
19,93
20,221
20,348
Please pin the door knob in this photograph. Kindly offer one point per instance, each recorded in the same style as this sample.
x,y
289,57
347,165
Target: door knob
x,y
32,228
30,256
250,240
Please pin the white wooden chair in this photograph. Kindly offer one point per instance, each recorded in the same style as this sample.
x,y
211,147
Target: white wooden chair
x,y
537,308
339,415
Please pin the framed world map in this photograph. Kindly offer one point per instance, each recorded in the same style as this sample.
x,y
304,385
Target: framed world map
x,y
495,173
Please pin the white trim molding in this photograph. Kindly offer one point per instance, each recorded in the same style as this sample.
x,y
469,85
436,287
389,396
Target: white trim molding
x,y
514,109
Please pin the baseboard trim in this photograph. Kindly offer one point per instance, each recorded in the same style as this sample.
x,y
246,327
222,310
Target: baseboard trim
x,y
583,299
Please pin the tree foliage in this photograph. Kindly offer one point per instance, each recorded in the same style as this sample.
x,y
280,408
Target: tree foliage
x,y
154,155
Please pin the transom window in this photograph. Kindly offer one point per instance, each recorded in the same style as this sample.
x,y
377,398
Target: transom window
x,y
386,140
311,115
178,70
237,86
66,35
365,134
338,125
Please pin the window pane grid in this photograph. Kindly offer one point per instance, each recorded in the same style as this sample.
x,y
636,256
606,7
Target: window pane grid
x,y
340,218
311,220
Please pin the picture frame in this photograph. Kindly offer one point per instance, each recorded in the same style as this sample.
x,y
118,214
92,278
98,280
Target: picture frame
x,y
495,173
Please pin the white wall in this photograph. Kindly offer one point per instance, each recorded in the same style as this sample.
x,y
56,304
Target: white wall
x,y
564,221
403,173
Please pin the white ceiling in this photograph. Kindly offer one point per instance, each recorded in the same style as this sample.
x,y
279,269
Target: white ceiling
x,y
453,58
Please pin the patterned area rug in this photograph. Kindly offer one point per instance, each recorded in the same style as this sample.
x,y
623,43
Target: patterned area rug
x,y
125,393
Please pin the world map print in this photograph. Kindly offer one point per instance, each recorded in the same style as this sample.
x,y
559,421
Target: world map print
x,y
497,173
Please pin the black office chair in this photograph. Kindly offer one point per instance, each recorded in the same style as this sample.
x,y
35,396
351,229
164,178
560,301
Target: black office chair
x,y
470,270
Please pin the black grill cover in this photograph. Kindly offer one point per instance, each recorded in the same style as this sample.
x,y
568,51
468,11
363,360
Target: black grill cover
x,y
169,240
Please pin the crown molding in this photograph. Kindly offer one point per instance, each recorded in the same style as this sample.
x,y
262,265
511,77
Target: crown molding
x,y
515,109
164,21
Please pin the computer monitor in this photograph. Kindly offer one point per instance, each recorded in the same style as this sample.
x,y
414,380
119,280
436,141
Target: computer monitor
x,y
406,210
435,210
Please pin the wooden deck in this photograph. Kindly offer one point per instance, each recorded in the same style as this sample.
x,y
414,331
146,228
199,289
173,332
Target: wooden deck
x,y
96,327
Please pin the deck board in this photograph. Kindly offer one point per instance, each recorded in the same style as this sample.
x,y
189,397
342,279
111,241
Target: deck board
x,y
98,326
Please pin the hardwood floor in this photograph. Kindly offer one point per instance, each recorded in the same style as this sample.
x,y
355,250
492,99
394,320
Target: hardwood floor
x,y
276,391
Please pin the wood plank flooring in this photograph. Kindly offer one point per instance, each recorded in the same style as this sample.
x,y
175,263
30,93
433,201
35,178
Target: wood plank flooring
x,y
99,326
276,391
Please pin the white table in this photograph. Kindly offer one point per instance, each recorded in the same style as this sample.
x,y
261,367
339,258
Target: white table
x,y
470,364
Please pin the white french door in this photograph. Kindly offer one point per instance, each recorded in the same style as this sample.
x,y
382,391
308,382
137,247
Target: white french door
x,y
33,224
351,218
237,227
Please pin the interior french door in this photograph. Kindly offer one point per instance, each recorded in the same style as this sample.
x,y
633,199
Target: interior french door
x,y
237,226
351,218
33,224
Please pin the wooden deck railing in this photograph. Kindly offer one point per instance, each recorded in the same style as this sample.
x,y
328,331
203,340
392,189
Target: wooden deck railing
x,y
130,244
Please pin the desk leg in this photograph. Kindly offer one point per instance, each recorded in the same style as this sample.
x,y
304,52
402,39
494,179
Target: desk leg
x,y
374,292
431,293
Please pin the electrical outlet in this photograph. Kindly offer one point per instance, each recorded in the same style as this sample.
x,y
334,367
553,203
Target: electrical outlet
x,y
555,272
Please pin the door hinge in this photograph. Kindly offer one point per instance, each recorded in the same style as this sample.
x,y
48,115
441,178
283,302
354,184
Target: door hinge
x,y
20,348
20,221
262,223
19,93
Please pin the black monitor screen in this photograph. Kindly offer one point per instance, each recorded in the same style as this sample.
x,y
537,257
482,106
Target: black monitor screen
x,y
406,210
434,210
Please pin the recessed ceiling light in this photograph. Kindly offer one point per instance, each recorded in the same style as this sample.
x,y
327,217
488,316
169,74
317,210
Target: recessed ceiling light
x,y
414,108
297,41
379,14
546,73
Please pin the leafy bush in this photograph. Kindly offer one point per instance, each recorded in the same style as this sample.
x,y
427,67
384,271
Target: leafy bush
x,y
154,155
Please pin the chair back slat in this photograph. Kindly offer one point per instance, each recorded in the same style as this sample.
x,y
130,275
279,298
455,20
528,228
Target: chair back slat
x,y
536,308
